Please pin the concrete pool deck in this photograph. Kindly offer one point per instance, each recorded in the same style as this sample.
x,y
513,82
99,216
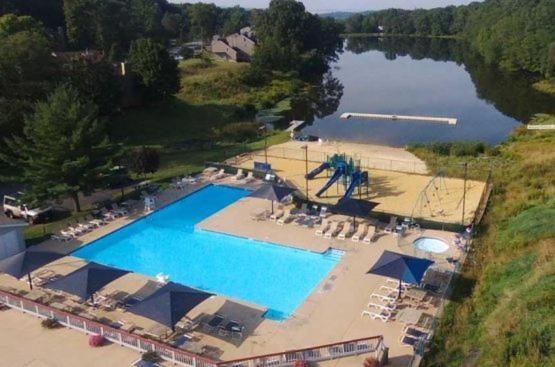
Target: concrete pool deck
x,y
332,312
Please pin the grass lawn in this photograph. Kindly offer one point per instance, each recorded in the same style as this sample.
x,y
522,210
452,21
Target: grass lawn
x,y
212,96
504,310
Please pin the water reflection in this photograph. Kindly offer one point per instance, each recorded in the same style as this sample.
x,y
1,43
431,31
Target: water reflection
x,y
419,76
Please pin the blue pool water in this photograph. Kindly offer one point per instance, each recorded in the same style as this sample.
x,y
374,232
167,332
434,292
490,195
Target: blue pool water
x,y
277,277
430,244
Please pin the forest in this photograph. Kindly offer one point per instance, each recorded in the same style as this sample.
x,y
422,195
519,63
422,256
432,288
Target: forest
x,y
517,35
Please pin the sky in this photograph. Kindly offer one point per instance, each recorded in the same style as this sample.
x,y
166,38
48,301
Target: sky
x,y
322,6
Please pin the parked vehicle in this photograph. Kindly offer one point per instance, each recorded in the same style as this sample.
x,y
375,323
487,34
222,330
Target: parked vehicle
x,y
15,208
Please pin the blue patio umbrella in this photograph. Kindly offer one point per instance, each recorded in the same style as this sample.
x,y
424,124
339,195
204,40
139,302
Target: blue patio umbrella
x,y
408,269
354,207
169,304
87,280
272,192
25,262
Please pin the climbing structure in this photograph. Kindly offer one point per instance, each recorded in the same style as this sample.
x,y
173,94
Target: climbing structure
x,y
345,171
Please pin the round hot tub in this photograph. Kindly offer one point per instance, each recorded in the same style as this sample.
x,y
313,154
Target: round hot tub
x,y
431,244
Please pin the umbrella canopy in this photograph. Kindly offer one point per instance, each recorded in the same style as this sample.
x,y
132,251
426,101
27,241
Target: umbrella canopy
x,y
408,269
169,304
86,281
272,192
26,262
354,207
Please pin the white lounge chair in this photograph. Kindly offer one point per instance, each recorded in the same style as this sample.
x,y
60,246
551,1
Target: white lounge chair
x,y
385,294
360,233
346,231
286,218
324,226
277,214
392,225
218,176
61,238
240,175
335,227
370,234
383,305
382,315
249,177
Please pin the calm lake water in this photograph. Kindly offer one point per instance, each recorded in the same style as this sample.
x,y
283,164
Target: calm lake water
x,y
424,77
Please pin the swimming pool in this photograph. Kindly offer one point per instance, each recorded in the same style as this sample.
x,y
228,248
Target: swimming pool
x,y
277,277
431,244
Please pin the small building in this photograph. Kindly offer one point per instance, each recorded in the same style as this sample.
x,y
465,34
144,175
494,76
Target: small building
x,y
235,47
12,239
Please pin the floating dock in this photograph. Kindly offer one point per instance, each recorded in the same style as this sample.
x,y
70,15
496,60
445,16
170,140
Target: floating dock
x,y
448,120
295,125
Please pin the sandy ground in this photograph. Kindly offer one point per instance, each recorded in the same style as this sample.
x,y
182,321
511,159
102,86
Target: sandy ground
x,y
399,193
24,343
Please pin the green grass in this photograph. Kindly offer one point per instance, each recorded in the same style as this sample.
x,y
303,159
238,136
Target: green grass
x,y
546,86
508,317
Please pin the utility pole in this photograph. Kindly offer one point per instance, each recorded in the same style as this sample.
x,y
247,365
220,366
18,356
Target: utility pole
x,y
305,147
464,192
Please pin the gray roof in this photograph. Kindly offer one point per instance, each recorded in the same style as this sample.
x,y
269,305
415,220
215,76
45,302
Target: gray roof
x,y
8,222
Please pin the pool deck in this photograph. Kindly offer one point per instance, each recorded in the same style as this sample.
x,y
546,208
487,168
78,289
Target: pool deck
x,y
332,313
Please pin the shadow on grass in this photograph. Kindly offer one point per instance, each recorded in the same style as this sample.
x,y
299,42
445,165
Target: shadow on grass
x,y
170,122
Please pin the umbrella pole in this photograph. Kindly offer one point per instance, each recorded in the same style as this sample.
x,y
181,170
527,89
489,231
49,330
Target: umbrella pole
x,y
400,284
272,207
30,281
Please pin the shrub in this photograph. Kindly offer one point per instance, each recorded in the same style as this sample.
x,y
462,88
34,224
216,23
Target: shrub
x,y
371,362
467,148
50,323
145,160
151,357
239,132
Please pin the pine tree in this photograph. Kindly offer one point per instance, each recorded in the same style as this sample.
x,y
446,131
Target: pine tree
x,y
64,151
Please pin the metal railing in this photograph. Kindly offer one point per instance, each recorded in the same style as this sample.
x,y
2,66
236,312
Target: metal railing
x,y
372,344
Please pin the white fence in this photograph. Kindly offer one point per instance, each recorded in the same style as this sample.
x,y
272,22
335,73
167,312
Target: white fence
x,y
373,344
120,337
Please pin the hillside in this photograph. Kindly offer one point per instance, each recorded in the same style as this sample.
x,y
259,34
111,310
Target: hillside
x,y
503,312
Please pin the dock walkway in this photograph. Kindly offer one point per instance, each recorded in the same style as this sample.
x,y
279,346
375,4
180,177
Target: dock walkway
x,y
448,120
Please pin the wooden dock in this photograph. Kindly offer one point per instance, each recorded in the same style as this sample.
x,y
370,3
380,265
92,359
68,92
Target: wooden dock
x,y
448,120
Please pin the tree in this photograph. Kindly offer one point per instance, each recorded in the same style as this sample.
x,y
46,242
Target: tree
x,y
27,70
146,18
95,81
235,19
174,24
203,20
11,24
145,160
291,39
155,69
65,149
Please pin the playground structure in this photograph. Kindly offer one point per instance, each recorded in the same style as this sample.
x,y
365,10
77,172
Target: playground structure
x,y
430,201
345,172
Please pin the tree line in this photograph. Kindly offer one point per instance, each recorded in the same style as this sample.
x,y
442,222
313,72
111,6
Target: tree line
x,y
514,34
55,110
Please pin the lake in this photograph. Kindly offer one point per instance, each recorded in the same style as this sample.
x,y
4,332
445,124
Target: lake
x,y
429,77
